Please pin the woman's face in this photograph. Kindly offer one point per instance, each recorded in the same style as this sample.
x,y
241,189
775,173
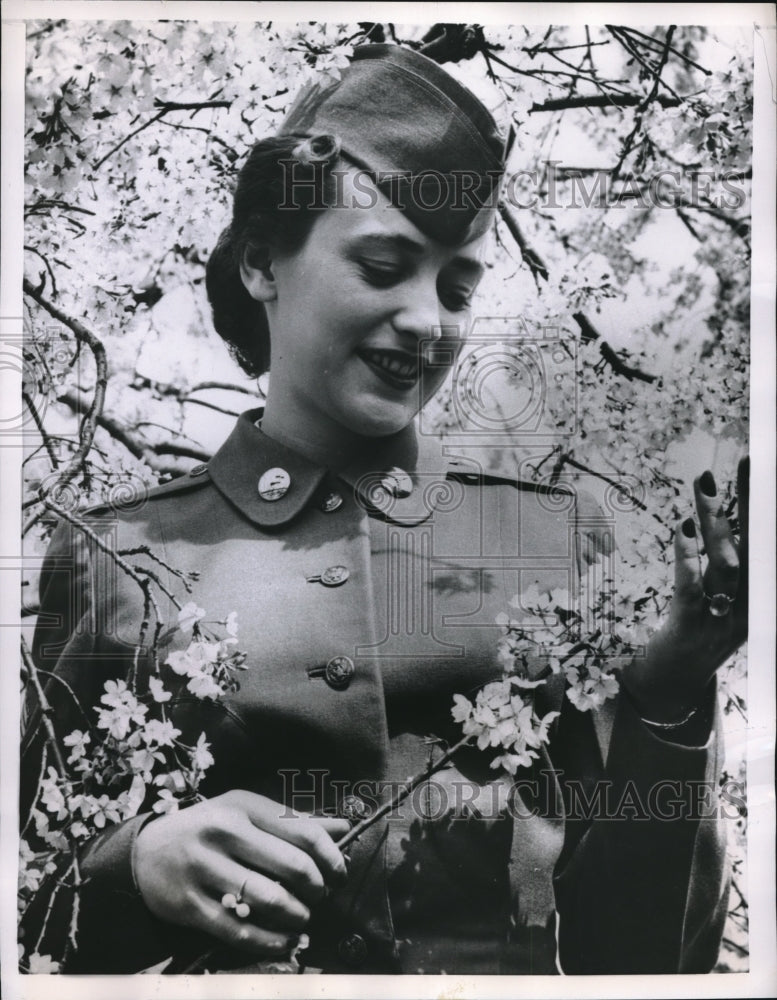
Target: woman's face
x,y
356,314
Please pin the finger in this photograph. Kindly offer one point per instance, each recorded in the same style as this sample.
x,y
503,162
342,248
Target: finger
x,y
278,859
687,575
309,834
271,905
722,575
222,924
334,826
743,510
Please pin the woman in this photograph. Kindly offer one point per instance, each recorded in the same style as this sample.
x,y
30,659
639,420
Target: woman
x,y
366,575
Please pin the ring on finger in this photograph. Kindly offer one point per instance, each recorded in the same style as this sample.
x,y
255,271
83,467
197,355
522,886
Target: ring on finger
x,y
719,604
232,901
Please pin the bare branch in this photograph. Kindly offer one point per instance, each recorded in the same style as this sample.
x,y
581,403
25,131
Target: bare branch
x,y
142,577
28,402
77,402
643,105
126,139
566,459
590,333
657,45
223,385
631,47
47,713
45,260
603,101
166,106
95,408
142,450
536,264
621,368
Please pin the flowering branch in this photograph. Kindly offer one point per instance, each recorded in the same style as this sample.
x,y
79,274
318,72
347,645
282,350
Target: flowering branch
x,y
53,745
407,789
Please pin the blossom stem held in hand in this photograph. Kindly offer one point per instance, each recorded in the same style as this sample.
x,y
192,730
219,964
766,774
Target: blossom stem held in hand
x,y
407,789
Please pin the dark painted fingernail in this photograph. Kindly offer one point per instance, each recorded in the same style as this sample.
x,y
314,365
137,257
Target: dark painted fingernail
x,y
707,484
689,528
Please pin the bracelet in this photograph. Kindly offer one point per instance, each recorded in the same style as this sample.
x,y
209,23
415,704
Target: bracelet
x,y
671,725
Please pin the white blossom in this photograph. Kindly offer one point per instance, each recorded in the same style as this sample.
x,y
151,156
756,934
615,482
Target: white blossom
x,y
189,616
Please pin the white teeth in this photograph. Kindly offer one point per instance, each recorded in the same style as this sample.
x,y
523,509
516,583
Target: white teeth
x,y
404,369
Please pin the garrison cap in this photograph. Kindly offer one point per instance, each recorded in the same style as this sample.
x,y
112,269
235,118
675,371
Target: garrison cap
x,y
428,143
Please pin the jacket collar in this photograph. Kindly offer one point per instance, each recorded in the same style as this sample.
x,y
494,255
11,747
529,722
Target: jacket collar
x,y
248,454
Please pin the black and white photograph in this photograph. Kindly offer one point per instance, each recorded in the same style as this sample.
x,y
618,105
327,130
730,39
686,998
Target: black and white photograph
x,y
388,469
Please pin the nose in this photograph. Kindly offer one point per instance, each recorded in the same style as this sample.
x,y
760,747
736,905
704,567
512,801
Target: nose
x,y
420,314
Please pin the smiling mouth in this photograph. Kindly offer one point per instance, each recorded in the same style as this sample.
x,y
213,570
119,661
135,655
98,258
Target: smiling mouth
x,y
396,368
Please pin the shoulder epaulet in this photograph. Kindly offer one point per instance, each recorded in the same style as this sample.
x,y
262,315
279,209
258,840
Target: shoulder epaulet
x,y
469,476
196,477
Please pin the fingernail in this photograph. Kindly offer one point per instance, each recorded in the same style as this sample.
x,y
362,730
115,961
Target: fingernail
x,y
707,484
689,528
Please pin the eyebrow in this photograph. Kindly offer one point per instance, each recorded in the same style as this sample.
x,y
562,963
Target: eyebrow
x,y
398,242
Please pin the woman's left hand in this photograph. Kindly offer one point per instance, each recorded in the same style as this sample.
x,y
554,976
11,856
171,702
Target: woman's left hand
x,y
707,618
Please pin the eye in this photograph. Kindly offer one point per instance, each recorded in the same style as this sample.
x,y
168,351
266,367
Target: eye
x,y
381,274
456,298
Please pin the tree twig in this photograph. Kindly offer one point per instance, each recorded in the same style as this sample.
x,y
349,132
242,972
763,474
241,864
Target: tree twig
x,y
29,403
603,101
407,789
536,264
146,452
95,407
566,459
656,45
644,104
53,744
590,333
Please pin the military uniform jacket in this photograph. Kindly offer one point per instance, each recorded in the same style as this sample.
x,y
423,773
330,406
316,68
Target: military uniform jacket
x,y
349,686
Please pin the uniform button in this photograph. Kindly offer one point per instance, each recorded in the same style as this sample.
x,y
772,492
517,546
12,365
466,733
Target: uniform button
x,y
334,576
274,484
338,672
353,950
354,809
397,482
331,502
198,470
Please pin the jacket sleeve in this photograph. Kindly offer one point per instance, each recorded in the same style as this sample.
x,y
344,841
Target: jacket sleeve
x,y
642,884
115,932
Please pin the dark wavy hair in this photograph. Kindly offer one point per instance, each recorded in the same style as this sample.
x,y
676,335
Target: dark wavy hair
x,y
279,195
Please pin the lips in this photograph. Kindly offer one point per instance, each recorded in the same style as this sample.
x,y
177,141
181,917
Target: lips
x,y
396,368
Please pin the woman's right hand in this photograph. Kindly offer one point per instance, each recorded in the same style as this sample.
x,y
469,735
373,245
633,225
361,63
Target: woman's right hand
x,y
284,862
